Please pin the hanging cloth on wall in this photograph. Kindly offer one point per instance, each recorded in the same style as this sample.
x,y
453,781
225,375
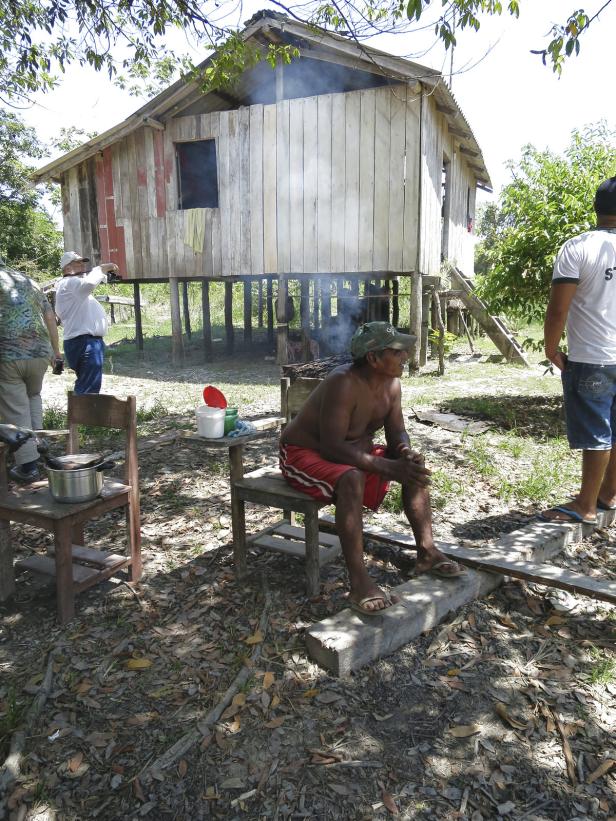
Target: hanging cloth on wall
x,y
194,229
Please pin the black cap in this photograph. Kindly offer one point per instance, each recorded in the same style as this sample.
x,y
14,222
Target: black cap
x,y
605,198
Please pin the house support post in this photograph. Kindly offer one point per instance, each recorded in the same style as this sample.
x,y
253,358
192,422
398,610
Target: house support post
x,y
395,302
247,312
415,320
270,310
138,323
281,318
229,334
260,303
186,306
326,300
177,346
304,312
206,320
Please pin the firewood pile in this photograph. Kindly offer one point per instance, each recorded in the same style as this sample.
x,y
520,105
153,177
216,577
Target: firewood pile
x,y
318,369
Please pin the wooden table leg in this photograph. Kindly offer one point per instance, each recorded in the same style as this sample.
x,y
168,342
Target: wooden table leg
x,y
133,528
311,529
64,571
238,517
7,573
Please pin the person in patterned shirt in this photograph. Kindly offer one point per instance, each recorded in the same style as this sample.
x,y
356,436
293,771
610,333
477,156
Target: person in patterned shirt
x,y
28,343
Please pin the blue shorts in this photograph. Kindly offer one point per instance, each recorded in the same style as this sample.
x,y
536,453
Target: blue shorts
x,y
590,405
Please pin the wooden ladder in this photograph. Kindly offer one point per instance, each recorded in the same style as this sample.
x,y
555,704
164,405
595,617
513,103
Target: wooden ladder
x,y
494,326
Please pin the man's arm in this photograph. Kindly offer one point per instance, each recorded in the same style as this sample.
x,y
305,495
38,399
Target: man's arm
x,y
561,295
49,318
337,405
86,283
395,431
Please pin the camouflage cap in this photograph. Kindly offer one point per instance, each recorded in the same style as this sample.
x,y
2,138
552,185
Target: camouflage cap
x,y
376,336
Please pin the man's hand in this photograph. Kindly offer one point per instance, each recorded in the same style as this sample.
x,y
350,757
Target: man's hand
x,y
410,467
559,359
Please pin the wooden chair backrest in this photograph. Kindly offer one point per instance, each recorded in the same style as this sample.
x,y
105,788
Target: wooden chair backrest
x,y
104,411
294,393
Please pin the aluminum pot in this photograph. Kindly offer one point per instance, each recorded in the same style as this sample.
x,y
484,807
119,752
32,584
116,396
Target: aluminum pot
x,y
73,486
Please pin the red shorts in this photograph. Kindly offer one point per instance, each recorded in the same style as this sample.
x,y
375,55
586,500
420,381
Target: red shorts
x,y
306,470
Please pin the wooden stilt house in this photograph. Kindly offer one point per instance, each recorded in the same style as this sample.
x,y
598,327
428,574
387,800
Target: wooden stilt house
x,y
348,164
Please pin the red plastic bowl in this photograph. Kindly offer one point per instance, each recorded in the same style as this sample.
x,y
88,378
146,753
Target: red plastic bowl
x,y
213,397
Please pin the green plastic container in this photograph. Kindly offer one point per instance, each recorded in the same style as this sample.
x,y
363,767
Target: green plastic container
x,y
230,419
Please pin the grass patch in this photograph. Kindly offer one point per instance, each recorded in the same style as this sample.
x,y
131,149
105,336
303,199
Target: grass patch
x,y
481,458
603,670
12,716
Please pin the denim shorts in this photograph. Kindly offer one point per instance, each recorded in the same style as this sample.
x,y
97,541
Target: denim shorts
x,y
590,405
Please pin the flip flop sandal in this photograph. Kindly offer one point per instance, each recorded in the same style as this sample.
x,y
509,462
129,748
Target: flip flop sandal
x,y
602,506
438,571
360,606
573,516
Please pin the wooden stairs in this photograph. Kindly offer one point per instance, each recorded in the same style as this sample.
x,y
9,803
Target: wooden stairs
x,y
492,325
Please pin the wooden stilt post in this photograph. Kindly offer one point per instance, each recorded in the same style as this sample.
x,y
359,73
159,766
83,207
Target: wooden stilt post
x,y
304,312
260,303
270,310
281,317
177,345
206,320
426,298
229,333
395,302
326,300
316,291
415,320
138,323
186,306
247,312
339,290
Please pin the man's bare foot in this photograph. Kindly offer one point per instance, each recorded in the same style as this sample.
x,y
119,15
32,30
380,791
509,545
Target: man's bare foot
x,y
436,563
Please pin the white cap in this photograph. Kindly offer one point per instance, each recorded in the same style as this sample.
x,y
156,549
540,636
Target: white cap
x,y
71,256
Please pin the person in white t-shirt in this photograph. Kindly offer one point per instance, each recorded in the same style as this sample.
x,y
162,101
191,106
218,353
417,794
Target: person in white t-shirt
x,y
83,318
583,297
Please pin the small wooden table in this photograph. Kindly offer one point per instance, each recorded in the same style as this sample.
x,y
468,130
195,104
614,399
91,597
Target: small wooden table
x,y
235,445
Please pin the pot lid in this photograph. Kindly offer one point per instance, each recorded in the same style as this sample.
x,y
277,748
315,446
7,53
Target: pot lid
x,y
213,397
76,461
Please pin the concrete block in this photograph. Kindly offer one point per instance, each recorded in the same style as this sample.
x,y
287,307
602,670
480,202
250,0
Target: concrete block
x,y
347,640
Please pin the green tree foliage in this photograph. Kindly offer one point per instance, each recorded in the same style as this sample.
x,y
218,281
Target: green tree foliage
x,y
127,38
28,238
549,201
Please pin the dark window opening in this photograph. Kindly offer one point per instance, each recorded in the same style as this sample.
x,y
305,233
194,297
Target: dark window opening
x,y
197,177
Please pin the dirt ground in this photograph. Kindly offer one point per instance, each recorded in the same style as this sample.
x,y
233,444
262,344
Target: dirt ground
x,y
508,709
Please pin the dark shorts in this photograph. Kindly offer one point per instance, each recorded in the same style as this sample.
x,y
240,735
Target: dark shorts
x,y
590,405
306,470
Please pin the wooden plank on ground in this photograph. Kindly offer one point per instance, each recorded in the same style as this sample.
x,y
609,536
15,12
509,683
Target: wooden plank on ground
x,y
327,553
545,574
97,558
47,567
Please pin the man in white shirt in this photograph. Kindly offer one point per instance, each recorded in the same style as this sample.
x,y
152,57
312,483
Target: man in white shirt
x,y
583,297
83,318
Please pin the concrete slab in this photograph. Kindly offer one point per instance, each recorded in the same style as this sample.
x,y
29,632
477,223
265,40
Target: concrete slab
x,y
347,640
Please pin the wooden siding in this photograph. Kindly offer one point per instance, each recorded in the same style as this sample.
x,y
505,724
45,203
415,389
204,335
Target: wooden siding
x,y
315,185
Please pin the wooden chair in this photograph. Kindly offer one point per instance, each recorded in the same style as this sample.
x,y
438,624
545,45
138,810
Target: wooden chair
x,y
75,566
268,487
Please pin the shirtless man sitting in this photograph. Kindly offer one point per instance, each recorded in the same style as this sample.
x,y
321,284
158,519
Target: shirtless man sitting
x,y
327,451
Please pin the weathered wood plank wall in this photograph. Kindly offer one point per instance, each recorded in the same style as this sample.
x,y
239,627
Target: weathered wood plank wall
x,y
314,185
